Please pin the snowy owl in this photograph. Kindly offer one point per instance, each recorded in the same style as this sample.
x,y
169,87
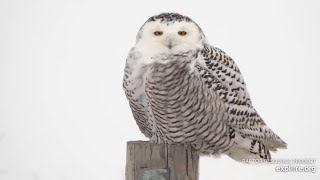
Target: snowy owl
x,y
182,90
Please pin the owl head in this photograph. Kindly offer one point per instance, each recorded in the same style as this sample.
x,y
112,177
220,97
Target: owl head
x,y
170,33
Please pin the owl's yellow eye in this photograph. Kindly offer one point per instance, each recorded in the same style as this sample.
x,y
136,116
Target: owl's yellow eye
x,y
182,33
158,33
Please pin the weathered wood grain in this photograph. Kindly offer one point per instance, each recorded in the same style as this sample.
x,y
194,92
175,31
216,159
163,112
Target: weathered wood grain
x,y
148,161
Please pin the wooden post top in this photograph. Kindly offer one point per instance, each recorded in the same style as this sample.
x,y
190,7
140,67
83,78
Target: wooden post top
x,y
149,161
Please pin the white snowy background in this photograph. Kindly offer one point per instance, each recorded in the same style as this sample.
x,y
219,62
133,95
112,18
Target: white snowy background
x,y
63,113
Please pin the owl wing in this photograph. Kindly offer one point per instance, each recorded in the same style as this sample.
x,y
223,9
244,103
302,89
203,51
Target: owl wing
x,y
223,75
137,104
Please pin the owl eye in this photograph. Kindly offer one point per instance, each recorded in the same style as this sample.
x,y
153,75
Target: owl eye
x,y
182,33
158,33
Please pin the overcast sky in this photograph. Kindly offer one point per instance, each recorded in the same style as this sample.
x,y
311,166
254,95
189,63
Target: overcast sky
x,y
64,115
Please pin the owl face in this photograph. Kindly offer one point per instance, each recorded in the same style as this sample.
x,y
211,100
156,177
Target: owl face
x,y
170,37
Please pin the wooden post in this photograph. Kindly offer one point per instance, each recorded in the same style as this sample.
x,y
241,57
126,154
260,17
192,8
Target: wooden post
x,y
148,161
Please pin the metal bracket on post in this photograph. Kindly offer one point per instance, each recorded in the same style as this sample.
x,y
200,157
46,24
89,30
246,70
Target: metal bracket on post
x,y
153,174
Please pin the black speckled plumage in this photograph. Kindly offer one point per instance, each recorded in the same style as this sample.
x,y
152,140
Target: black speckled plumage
x,y
196,97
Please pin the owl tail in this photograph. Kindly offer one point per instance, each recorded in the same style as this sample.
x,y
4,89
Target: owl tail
x,y
247,148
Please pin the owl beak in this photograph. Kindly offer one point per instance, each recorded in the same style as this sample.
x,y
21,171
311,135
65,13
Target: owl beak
x,y
170,45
